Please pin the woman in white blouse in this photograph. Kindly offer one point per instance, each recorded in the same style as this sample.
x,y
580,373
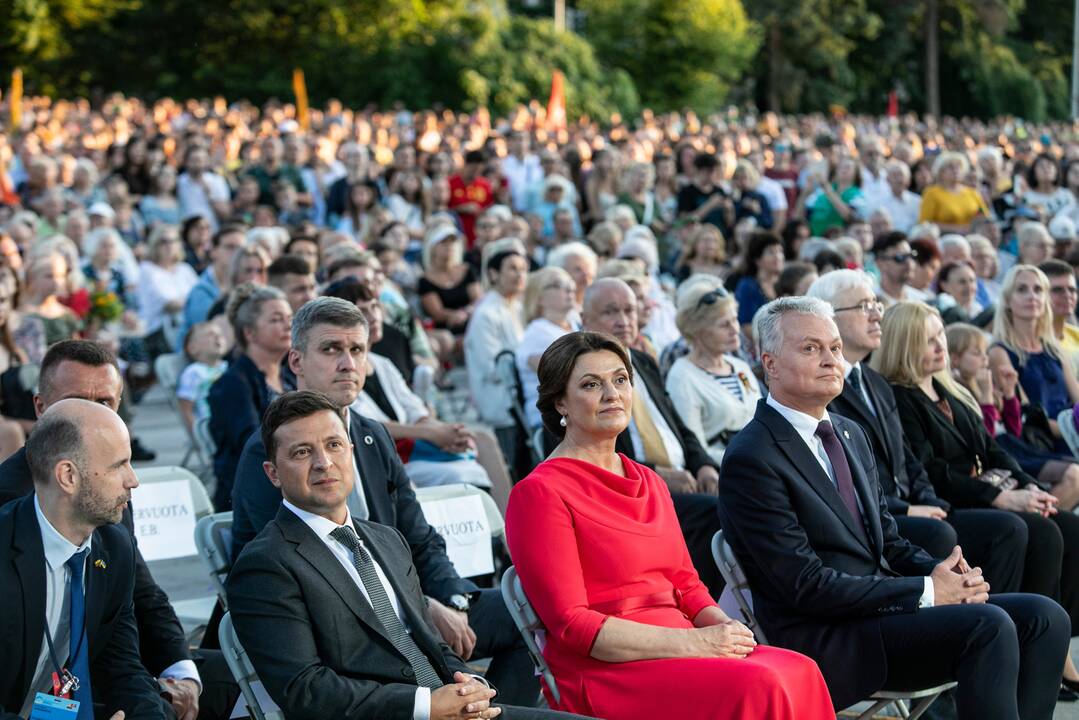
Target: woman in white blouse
x,y
496,326
164,280
714,392
550,305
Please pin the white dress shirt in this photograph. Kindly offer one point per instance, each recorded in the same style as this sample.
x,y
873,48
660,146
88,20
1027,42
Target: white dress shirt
x,y
806,427
323,527
674,448
357,501
847,367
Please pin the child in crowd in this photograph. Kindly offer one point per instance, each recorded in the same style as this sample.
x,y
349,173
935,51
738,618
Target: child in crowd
x,y
205,345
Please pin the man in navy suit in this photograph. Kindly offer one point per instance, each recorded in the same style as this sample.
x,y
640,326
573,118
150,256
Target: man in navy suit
x,y
68,571
831,577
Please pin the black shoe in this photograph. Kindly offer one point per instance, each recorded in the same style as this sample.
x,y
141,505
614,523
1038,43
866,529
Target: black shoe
x,y
1072,685
1066,694
140,453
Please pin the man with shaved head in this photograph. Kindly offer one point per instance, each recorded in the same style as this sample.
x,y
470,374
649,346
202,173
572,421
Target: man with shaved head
x,y
68,571
656,436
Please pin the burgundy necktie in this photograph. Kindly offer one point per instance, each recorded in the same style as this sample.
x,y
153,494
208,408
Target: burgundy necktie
x,y
843,479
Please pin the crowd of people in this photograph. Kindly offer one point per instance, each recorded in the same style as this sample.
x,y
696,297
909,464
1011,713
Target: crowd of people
x,y
635,310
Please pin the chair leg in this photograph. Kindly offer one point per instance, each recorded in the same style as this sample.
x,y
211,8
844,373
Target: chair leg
x,y
874,709
922,705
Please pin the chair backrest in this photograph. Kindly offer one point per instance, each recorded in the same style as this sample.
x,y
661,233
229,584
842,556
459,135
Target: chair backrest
x,y
244,673
441,492
213,538
199,496
737,585
529,625
205,440
506,370
167,368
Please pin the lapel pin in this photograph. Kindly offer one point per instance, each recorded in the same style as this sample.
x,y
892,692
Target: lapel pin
x,y
368,440
100,564
846,434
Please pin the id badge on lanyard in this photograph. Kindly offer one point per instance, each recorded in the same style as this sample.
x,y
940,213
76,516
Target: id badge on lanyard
x,y
50,707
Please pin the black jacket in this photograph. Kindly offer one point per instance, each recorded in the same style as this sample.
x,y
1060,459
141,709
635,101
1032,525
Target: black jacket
x,y
948,450
236,400
390,500
903,478
119,680
287,591
818,588
161,637
646,370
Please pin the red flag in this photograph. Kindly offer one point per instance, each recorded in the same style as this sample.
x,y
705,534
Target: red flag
x,y
893,104
556,106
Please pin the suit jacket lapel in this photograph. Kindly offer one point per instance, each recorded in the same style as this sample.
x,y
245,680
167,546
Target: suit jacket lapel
x,y
97,582
865,416
807,465
312,549
657,392
30,566
866,496
367,460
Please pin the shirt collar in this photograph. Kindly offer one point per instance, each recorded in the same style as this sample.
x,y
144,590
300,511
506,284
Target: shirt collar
x,y
847,367
319,525
806,425
58,549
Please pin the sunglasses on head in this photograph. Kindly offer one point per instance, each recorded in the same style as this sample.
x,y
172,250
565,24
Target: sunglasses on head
x,y
710,298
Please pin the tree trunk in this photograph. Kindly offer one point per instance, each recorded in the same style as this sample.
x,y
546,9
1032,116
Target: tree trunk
x,y
775,61
932,59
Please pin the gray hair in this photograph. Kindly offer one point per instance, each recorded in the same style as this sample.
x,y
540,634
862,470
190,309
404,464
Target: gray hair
x,y
952,240
830,286
55,437
245,305
324,311
766,323
560,255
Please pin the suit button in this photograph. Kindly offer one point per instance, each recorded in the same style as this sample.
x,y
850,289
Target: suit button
x,y
407,671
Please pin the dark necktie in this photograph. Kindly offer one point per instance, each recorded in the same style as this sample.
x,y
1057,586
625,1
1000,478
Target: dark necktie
x,y
855,380
380,602
78,659
844,481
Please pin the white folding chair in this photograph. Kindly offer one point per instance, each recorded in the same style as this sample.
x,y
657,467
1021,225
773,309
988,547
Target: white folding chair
x,y
195,612
168,368
213,538
530,627
240,666
738,586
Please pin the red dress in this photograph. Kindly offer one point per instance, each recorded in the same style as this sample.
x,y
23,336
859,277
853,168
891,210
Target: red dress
x,y
588,545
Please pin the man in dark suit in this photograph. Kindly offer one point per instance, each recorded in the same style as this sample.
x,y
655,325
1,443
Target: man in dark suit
x,y
194,686
68,572
657,437
993,539
341,594
831,577
329,349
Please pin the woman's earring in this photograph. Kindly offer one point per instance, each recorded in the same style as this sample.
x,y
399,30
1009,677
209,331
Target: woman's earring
x,y
562,422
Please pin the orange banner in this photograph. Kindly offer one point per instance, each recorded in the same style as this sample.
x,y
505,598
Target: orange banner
x,y
299,88
15,99
556,106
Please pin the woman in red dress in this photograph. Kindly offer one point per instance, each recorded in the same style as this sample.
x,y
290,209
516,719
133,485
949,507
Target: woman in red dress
x,y
631,632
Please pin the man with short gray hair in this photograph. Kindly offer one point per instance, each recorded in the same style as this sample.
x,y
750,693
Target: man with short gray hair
x,y
831,578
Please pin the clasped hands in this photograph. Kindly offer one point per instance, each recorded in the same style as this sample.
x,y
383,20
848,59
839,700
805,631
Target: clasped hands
x,y
466,698
955,582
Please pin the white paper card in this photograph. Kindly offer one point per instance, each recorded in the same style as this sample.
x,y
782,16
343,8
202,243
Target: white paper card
x,y
164,517
462,523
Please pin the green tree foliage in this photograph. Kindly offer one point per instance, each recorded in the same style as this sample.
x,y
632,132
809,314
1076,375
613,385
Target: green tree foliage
x,y
678,52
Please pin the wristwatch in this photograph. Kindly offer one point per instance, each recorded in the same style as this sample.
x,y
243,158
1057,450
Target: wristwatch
x,y
460,603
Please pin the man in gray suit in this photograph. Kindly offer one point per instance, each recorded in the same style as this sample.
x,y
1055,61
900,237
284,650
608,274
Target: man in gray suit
x,y
329,608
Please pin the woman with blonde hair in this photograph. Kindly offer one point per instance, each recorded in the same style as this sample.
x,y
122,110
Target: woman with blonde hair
x,y
943,426
949,203
45,320
705,252
550,312
1023,327
714,391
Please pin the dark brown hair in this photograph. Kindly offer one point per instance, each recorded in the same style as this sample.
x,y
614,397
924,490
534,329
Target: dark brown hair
x,y
287,408
556,366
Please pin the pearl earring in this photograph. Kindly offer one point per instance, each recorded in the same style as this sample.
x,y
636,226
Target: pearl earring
x,y
562,422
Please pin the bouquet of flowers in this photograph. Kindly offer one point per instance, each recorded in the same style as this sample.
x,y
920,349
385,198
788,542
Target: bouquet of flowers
x,y
105,307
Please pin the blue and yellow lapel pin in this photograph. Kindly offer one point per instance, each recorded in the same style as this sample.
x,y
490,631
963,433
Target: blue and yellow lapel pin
x,y
100,564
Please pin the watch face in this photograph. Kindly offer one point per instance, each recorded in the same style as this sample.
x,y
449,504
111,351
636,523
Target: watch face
x,y
459,602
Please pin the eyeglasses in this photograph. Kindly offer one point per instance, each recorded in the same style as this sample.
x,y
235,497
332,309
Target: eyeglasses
x,y
901,257
710,298
868,307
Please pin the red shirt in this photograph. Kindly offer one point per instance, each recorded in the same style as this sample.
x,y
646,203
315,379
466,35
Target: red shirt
x,y
479,192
